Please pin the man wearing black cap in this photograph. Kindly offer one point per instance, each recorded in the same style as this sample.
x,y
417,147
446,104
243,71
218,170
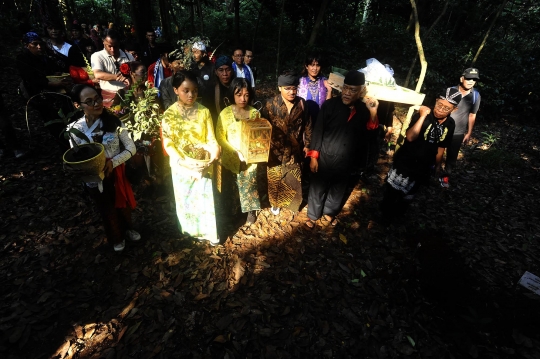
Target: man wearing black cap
x,y
464,116
341,126
291,135
429,133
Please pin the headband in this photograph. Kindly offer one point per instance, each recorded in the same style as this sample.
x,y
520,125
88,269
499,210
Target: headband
x,y
199,46
452,95
30,37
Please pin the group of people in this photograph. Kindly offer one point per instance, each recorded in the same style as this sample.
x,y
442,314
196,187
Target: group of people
x,y
319,135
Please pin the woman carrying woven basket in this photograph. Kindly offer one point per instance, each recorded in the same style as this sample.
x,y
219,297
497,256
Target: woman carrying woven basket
x,y
249,178
188,138
113,197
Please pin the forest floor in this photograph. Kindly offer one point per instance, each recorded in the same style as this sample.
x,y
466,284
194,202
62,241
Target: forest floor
x,y
439,283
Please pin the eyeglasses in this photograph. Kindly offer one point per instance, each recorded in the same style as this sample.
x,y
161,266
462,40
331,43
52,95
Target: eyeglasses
x,y
470,79
96,101
290,88
443,108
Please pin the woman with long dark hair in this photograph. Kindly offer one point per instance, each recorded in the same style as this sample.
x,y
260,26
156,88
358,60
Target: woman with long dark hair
x,y
249,177
188,134
313,86
113,196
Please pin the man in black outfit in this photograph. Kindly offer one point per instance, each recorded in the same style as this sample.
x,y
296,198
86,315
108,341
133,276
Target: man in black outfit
x,y
151,49
342,124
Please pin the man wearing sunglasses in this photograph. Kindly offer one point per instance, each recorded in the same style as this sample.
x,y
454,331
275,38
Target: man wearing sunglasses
x,y
464,116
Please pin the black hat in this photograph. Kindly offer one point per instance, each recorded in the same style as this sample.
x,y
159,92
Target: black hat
x,y
223,60
471,73
354,78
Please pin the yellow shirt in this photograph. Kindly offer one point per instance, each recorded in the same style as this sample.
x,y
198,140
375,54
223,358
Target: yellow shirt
x,y
229,136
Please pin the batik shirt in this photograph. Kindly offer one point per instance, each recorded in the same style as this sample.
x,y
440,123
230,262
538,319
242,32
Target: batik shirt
x,y
291,132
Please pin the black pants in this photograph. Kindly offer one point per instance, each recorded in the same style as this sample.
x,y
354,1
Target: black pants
x,y
115,220
452,153
326,193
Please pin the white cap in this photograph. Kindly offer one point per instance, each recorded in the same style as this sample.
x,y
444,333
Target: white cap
x,y
199,46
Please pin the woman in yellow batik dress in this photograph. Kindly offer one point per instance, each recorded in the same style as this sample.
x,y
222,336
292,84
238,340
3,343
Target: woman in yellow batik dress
x,y
187,128
250,178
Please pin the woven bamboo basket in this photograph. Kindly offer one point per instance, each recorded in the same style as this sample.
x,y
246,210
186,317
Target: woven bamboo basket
x,y
256,139
92,166
200,152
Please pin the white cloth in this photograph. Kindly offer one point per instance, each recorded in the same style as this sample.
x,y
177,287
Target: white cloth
x,y
64,50
111,142
102,61
241,73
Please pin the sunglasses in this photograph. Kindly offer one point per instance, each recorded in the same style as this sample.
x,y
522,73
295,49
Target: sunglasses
x,y
470,79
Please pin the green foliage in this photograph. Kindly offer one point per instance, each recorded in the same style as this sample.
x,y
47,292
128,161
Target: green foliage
x,y
490,138
145,114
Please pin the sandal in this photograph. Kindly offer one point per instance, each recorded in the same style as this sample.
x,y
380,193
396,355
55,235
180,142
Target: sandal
x,y
333,221
310,223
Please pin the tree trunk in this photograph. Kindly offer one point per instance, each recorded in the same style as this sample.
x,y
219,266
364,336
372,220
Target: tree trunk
x,y
423,62
48,10
200,15
257,26
141,13
237,22
279,36
407,79
192,9
67,13
318,22
164,7
366,11
487,33
356,5
174,18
